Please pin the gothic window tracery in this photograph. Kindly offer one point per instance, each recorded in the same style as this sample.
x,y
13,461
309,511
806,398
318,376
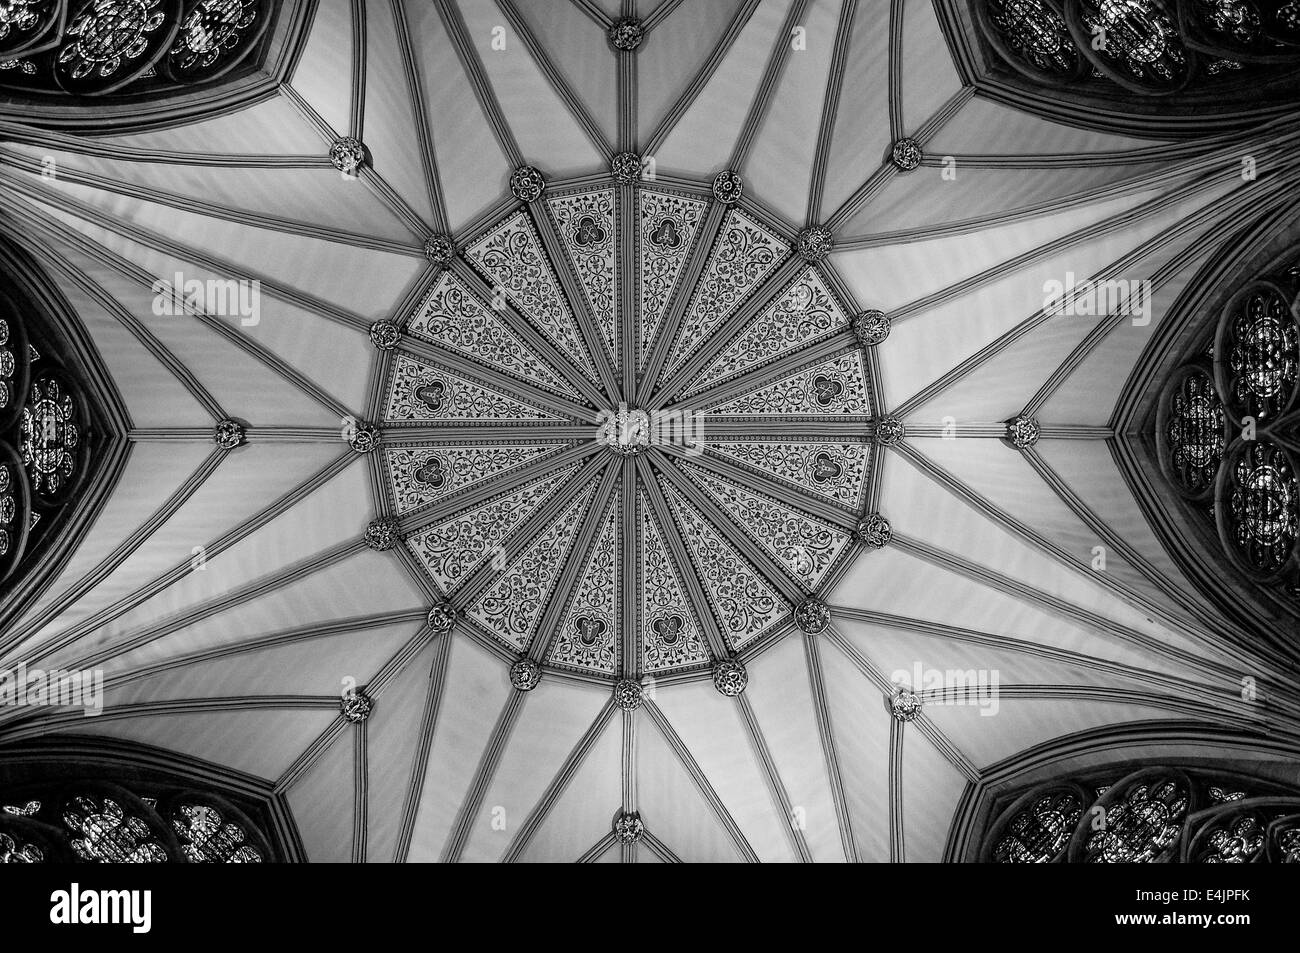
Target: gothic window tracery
x,y
1155,814
65,61
101,822
25,23
1227,431
45,433
1214,56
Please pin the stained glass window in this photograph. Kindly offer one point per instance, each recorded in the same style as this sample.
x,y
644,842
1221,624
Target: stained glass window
x,y
1233,838
13,510
1151,47
1262,507
50,437
1284,840
1151,815
110,828
213,37
1039,832
1228,423
1194,431
46,434
211,832
98,822
1140,819
22,842
1261,342
24,22
106,47
1033,37
1134,42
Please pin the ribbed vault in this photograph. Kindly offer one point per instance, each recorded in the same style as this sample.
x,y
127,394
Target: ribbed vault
x,y
232,592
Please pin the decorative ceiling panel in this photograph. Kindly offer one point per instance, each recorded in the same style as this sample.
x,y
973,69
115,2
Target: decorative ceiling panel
x,y
743,256
420,392
803,313
420,475
451,549
452,317
833,387
588,225
744,603
837,471
670,633
634,534
669,222
806,547
510,255
587,637
513,604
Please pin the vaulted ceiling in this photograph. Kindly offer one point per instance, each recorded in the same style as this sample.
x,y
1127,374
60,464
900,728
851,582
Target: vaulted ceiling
x,y
232,593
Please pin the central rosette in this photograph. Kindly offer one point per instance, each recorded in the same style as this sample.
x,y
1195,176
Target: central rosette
x,y
626,430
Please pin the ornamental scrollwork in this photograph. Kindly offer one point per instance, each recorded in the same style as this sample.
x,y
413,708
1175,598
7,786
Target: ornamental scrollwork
x,y
804,464
668,223
837,386
585,221
745,254
512,606
670,637
451,550
804,546
511,257
587,637
421,392
805,312
451,317
419,475
745,604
